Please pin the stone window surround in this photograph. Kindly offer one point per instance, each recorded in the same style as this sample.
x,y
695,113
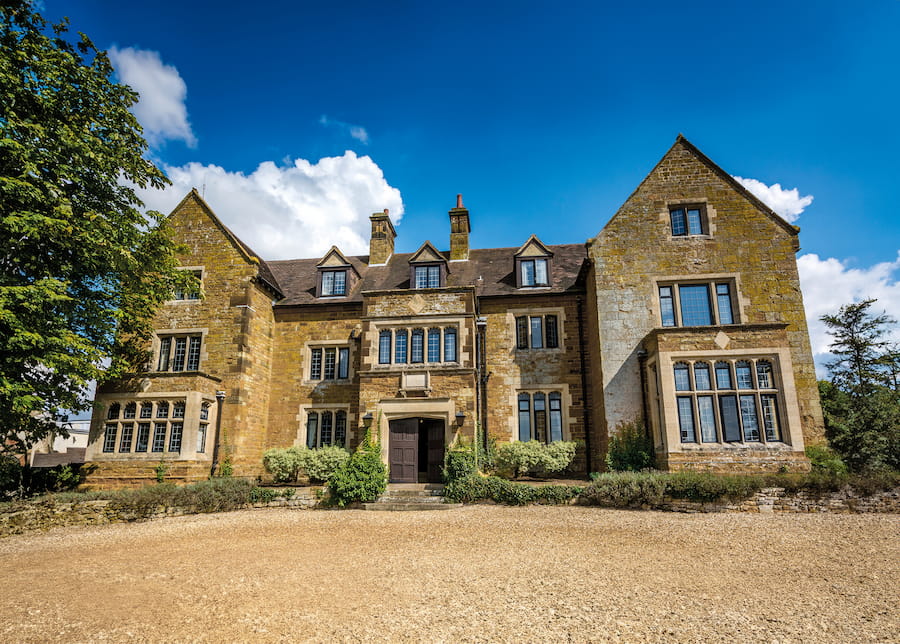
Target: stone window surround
x,y
568,420
191,425
320,294
327,344
155,347
739,303
663,410
708,214
303,415
559,312
196,269
463,358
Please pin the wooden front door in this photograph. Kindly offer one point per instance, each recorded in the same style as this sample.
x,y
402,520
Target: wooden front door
x,y
435,434
403,450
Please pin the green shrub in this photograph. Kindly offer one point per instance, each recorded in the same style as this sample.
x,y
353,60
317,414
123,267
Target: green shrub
x,y
459,463
707,487
264,494
625,489
362,478
283,463
825,459
534,457
321,464
492,488
630,449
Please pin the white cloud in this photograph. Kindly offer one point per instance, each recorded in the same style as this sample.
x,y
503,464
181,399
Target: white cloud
x,y
161,110
355,131
787,203
290,211
829,283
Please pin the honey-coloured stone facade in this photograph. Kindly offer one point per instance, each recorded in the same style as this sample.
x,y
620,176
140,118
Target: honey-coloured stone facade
x,y
280,350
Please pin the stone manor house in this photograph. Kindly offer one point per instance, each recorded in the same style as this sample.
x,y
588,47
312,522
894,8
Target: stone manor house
x,y
684,312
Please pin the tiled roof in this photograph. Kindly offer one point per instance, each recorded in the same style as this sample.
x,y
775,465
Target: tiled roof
x,y
494,266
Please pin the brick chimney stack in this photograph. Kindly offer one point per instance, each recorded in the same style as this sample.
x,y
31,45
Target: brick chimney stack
x,y
381,244
459,231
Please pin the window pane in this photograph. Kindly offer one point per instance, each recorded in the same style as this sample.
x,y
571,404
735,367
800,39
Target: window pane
x,y
764,374
678,223
695,223
113,411
540,417
343,363
312,429
450,345
701,376
165,346
130,410
749,418
524,418
340,428
127,433
327,419
418,346
522,332
686,419
723,300
162,410
178,410
731,425
555,417
143,437
175,437
327,282
340,282
695,309
434,345
159,437
537,335
193,360
421,276
723,375
527,272
109,440
180,353
666,306
400,346
201,438
770,417
315,365
434,276
146,410
743,375
204,412
384,347
540,271
329,363
551,330
682,377
707,415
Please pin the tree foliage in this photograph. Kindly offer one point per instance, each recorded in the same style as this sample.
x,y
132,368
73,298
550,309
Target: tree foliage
x,y
861,403
82,269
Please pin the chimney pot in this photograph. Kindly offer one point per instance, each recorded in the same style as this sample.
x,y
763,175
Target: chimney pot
x,y
459,203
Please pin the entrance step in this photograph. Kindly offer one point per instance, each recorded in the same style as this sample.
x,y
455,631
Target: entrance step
x,y
400,497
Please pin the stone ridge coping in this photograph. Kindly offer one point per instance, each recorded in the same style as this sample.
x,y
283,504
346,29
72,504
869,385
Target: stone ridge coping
x,y
760,326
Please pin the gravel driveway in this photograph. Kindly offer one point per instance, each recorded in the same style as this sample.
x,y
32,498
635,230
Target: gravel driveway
x,y
480,573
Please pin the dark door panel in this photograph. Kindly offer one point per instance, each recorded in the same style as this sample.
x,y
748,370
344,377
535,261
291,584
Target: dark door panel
x,y
403,450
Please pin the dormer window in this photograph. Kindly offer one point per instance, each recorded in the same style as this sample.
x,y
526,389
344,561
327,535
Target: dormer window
x,y
428,276
334,283
336,275
533,272
428,268
532,268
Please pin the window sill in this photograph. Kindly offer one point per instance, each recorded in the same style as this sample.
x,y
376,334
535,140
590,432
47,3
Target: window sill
x,y
699,237
776,446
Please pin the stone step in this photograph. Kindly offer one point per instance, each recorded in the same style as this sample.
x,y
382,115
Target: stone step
x,y
409,507
404,498
415,494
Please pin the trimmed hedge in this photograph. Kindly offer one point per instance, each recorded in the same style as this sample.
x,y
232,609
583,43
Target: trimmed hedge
x,y
286,465
534,457
492,488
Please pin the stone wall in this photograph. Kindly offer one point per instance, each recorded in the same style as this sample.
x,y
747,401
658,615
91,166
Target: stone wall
x,y
776,500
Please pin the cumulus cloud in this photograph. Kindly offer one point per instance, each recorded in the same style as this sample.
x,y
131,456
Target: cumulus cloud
x,y
355,131
829,283
787,203
161,110
290,211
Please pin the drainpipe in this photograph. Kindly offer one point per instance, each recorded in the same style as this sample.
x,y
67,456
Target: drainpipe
x,y
481,379
220,398
642,367
586,415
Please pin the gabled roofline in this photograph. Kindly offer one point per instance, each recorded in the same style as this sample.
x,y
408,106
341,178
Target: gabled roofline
x,y
334,250
243,249
709,163
533,240
427,245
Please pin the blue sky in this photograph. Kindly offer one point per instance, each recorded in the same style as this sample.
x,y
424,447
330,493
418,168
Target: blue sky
x,y
302,118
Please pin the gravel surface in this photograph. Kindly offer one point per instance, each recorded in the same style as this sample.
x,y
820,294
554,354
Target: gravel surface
x,y
480,573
